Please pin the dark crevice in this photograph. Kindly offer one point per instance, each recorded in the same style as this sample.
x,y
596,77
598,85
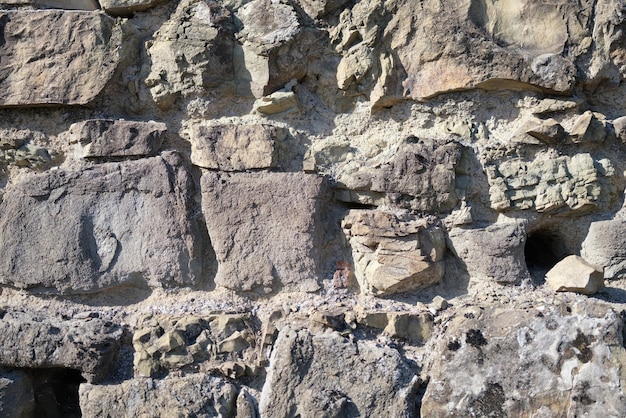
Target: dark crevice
x,y
56,392
542,251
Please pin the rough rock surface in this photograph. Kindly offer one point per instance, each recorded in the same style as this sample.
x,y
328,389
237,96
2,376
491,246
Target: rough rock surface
x,y
315,361
195,395
235,147
264,229
86,344
501,243
574,274
117,138
548,364
394,253
125,7
16,394
53,57
605,245
106,225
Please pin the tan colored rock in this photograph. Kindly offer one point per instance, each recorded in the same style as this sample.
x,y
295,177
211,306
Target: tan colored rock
x,y
277,102
125,7
194,394
586,129
315,375
619,125
495,252
264,229
574,274
392,253
510,362
605,245
409,326
235,147
548,131
55,57
56,4
551,184
116,138
192,54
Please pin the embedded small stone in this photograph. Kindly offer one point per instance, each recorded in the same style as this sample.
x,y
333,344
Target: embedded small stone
x,y
574,274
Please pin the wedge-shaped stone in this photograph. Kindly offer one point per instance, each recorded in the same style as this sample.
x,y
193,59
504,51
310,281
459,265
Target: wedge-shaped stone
x,y
35,340
101,226
264,228
235,147
125,7
56,57
314,375
198,395
117,138
574,274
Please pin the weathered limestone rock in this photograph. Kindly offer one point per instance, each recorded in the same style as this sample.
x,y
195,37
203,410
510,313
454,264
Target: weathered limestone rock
x,y
548,131
416,328
38,341
587,129
101,226
16,394
117,138
619,125
320,8
574,274
277,102
274,47
394,253
235,147
605,246
263,227
419,175
551,184
165,343
506,362
125,7
191,395
495,252
315,375
56,4
55,57
192,53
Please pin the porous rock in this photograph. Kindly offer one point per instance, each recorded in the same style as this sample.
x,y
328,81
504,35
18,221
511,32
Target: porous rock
x,y
235,147
574,274
89,346
526,362
495,252
117,138
195,395
106,225
264,228
394,253
55,57
328,375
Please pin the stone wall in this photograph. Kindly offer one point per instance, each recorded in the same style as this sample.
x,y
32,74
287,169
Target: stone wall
x,y
312,208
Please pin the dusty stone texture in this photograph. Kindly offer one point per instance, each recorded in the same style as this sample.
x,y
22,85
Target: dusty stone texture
x,y
551,184
55,4
125,7
421,174
190,395
314,375
500,243
274,47
574,274
98,226
164,343
408,56
55,57
604,246
235,147
394,252
89,345
192,53
264,229
116,138
504,362
16,394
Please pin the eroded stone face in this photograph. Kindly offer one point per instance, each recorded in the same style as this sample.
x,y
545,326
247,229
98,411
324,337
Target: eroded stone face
x,y
102,226
394,253
264,228
55,57
337,377
513,362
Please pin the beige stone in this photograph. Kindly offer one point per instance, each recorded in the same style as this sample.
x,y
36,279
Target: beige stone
x,y
574,274
277,102
235,147
57,58
125,7
587,128
392,253
56,4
